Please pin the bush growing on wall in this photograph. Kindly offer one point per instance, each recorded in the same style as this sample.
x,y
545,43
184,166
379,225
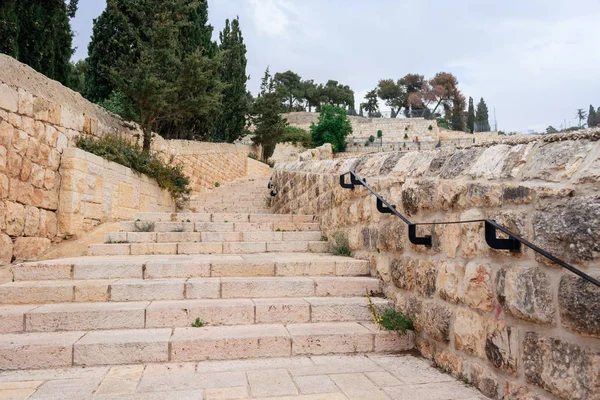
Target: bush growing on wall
x,y
333,127
121,152
295,135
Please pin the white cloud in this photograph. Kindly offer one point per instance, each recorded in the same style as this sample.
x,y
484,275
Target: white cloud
x,y
272,17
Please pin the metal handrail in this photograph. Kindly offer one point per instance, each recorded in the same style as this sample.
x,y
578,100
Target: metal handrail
x,y
513,243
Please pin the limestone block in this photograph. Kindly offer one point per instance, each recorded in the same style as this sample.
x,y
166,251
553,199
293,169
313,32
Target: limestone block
x,y
48,224
140,290
556,161
15,218
490,165
203,288
579,306
9,98
351,286
40,271
13,164
73,180
3,158
173,269
34,350
469,332
4,187
425,277
483,195
38,176
565,369
330,338
403,272
460,161
517,194
26,168
485,380
473,236
451,362
282,311
30,248
450,278
568,228
6,249
71,119
32,221
526,293
70,202
20,191
502,345
478,286
91,291
436,318
70,223
20,141
518,391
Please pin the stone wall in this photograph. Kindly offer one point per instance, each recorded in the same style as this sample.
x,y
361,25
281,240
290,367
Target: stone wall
x,y
94,190
513,324
39,120
257,168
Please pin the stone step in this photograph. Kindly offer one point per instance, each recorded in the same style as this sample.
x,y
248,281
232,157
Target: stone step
x,y
222,217
207,236
134,346
121,290
196,266
207,248
222,226
182,313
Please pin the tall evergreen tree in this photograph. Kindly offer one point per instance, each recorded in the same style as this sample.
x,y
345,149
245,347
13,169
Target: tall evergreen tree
x,y
160,80
593,118
482,123
268,122
232,120
457,112
38,33
371,106
471,116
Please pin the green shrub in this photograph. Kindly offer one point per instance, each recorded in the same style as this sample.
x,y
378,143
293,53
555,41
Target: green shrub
x,y
443,123
197,323
430,127
371,138
379,133
406,136
217,184
389,318
339,245
295,135
121,152
367,143
144,226
333,127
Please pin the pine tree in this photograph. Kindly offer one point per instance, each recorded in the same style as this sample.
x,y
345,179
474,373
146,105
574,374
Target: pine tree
x,y
162,82
482,123
471,116
458,110
38,33
593,118
268,122
232,120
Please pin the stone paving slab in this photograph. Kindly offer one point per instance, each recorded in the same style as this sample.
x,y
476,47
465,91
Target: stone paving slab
x,y
323,378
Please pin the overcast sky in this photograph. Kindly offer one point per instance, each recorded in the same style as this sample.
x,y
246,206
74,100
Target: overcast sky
x,y
534,61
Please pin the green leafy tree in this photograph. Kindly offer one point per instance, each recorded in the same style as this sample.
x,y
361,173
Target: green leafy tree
x,y
371,106
581,116
551,130
471,116
38,33
289,86
312,94
332,127
337,94
439,91
77,78
161,81
268,123
232,120
482,123
393,94
593,118
412,83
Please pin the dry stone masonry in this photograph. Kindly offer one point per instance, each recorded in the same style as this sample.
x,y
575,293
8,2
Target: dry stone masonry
x,y
515,325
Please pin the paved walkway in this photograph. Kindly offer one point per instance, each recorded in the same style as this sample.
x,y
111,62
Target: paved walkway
x,y
371,377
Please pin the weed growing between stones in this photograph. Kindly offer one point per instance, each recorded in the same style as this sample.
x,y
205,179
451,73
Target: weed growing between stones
x,y
339,245
144,226
113,241
197,323
217,184
268,200
389,318
179,229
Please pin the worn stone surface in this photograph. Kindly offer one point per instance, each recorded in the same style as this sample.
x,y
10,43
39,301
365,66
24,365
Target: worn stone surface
x,y
403,273
29,248
569,228
425,278
556,161
478,286
469,332
450,280
502,346
6,249
436,318
525,293
565,369
579,306
485,380
450,362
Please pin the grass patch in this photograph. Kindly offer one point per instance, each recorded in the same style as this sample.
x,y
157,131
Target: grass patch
x,y
197,323
339,245
121,152
144,226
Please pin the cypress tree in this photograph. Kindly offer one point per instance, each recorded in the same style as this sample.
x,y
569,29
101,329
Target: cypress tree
x,y
471,116
268,122
482,123
593,118
457,116
38,33
232,121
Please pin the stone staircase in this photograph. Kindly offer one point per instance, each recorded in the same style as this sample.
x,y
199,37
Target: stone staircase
x,y
245,195
193,287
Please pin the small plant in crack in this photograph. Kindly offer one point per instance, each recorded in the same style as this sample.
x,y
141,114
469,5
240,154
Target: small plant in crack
x,y
179,229
324,239
339,245
197,323
144,226
389,319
